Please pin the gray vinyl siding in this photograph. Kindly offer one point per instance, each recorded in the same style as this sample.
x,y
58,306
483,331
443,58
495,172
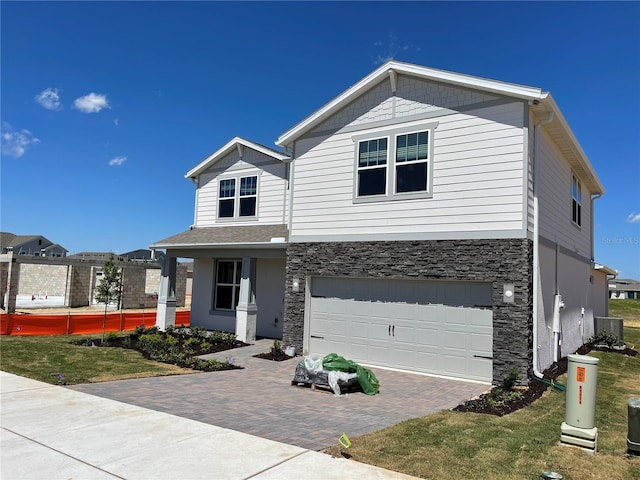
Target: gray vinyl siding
x,y
478,180
554,201
272,188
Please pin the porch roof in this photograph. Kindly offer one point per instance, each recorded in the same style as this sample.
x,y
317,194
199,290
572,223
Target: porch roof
x,y
228,236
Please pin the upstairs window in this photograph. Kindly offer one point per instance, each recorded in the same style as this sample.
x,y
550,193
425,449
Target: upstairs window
x,y
412,156
227,198
234,202
248,196
394,165
576,201
372,167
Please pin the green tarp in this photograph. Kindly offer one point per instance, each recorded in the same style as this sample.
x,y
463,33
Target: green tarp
x,y
367,380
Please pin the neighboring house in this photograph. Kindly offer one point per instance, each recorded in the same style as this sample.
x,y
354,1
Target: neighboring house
x,y
422,220
34,245
624,288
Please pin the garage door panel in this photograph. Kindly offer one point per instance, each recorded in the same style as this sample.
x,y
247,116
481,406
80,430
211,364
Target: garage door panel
x,y
438,325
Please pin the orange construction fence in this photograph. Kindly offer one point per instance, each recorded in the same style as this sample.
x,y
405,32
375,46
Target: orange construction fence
x,y
27,324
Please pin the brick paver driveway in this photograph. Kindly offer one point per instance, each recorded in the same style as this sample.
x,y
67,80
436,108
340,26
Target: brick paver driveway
x,y
261,401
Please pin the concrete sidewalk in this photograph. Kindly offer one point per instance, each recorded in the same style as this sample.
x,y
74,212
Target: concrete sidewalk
x,y
57,433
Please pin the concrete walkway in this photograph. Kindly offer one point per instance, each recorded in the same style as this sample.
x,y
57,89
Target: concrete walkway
x,y
57,433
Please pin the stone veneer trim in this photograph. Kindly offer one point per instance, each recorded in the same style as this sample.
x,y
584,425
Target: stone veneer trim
x,y
499,261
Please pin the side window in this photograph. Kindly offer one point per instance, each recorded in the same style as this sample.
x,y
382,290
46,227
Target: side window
x,y
227,285
576,200
372,167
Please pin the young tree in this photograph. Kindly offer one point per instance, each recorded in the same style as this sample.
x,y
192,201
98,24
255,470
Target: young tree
x,y
109,289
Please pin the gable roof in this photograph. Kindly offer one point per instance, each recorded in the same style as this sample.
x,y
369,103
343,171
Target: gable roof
x,y
235,143
8,239
540,102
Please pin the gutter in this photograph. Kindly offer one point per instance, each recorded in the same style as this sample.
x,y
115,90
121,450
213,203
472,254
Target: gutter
x,y
536,253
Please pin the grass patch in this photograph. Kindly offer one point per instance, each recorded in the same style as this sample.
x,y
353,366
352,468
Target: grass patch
x,y
521,445
43,357
628,309
72,359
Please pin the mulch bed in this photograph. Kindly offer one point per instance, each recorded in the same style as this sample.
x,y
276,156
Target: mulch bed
x,y
493,402
276,356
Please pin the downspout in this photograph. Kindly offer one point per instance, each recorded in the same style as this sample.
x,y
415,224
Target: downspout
x,y
291,172
536,253
196,182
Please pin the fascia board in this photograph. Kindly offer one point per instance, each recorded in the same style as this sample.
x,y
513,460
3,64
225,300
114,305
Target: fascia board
x,y
195,246
451,78
226,149
552,106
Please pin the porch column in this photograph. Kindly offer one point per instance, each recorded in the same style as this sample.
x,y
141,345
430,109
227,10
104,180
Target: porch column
x,y
166,313
13,281
247,310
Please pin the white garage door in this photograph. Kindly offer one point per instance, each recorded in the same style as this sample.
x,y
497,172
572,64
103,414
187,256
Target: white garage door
x,y
437,327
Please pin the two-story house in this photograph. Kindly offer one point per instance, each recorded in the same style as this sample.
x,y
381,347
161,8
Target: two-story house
x,y
422,220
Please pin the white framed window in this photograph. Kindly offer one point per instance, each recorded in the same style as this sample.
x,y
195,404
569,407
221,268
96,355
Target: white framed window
x,y
372,167
238,197
227,284
394,165
576,200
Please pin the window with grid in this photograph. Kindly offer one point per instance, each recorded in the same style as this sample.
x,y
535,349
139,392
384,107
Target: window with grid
x,y
248,196
226,198
238,197
412,157
227,285
576,201
372,167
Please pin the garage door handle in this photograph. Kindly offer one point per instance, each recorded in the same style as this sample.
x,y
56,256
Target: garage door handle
x,y
483,356
392,330
316,336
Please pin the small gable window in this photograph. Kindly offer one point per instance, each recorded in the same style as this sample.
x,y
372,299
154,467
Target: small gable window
x,y
238,197
412,155
576,200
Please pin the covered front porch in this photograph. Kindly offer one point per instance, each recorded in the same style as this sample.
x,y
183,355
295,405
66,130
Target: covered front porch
x,y
238,279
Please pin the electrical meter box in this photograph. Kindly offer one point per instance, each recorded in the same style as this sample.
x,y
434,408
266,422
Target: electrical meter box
x,y
582,380
580,413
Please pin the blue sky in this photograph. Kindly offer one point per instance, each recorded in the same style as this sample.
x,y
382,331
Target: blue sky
x,y
106,105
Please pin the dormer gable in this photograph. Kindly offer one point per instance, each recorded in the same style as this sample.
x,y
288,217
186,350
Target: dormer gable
x,y
239,144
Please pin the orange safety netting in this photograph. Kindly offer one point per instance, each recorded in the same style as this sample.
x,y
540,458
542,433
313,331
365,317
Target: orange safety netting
x,y
26,324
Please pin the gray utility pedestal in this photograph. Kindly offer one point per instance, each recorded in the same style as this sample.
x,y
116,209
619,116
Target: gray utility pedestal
x,y
633,435
580,415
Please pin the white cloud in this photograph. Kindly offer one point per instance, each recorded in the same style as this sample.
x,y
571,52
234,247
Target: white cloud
x,y
633,217
92,103
117,161
390,48
116,122
16,142
49,99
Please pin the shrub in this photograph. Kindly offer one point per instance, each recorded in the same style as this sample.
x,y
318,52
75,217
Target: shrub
x,y
604,338
510,379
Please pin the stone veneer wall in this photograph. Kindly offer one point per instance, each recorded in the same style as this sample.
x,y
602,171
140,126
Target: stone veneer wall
x,y
498,261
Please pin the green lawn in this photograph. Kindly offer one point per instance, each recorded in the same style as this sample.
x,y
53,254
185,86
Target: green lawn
x,y
522,445
43,357
445,445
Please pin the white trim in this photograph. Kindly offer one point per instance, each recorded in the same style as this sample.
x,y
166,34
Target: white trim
x,y
408,236
235,143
